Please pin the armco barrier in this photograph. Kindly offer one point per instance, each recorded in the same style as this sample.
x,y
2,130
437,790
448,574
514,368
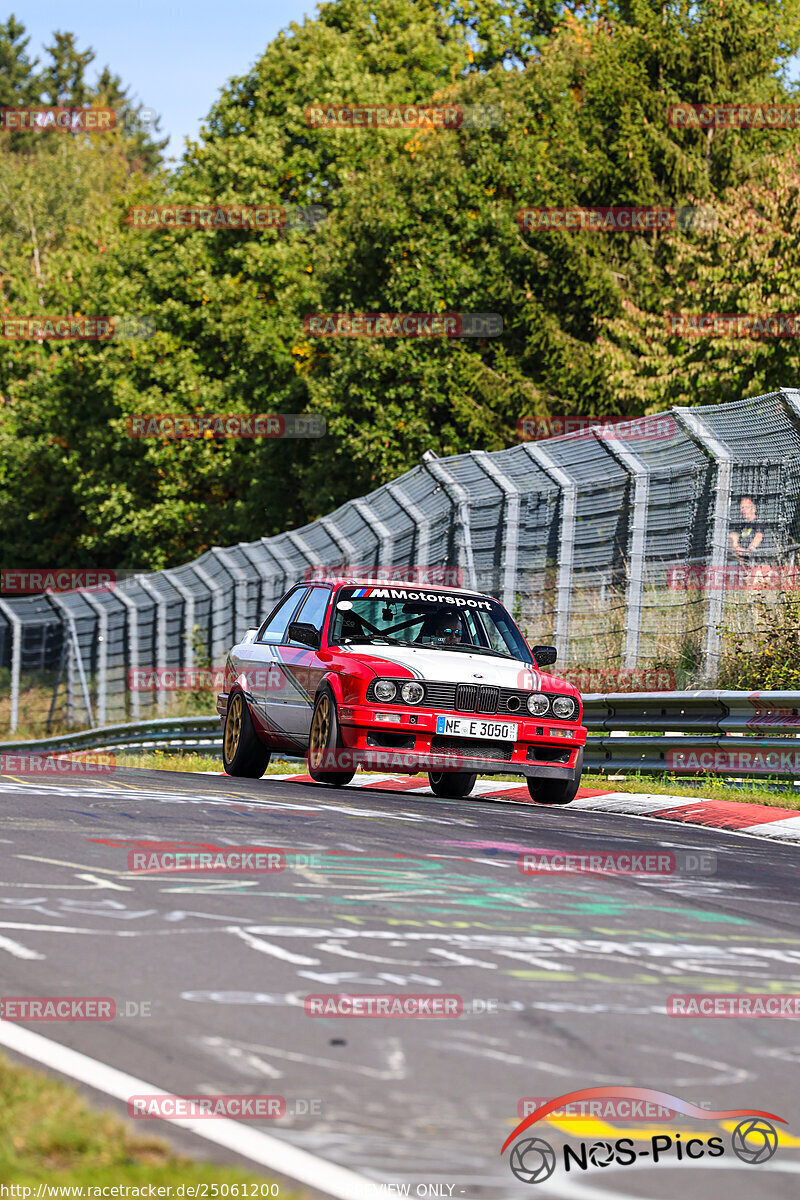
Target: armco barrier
x,y
181,733
694,712
671,723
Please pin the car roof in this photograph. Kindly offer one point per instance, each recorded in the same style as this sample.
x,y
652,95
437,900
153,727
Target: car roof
x,y
370,581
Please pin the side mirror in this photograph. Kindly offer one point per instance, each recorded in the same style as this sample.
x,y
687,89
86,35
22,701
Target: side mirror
x,y
307,634
249,637
544,656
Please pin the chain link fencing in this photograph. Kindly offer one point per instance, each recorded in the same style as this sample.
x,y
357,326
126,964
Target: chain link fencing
x,y
627,548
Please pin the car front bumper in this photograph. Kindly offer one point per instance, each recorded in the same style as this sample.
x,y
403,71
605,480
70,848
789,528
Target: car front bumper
x,y
544,748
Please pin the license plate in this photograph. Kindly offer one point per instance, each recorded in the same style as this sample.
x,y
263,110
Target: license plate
x,y
477,727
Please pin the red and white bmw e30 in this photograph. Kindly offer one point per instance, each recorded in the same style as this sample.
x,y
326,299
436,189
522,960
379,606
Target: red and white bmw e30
x,y
400,678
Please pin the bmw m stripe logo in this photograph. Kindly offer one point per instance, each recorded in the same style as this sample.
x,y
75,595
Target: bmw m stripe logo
x,y
360,593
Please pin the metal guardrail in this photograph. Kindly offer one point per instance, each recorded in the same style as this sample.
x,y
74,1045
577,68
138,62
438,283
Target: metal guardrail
x,y
680,733
184,733
694,712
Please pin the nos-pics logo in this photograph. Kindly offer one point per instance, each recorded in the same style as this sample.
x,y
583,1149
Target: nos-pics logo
x,y
533,1160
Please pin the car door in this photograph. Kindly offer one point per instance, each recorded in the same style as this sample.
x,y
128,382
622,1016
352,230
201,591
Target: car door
x,y
272,690
301,665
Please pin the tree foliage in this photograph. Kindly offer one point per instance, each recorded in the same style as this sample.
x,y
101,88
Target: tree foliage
x,y
417,221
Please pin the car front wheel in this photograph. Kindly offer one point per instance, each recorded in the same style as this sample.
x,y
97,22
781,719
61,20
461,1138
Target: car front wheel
x,y
242,753
325,742
556,791
451,785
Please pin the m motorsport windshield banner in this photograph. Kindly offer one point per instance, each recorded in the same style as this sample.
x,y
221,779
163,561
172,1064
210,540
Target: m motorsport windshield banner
x,y
387,593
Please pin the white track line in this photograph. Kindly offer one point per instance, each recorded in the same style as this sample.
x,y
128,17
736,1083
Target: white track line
x,y
259,1147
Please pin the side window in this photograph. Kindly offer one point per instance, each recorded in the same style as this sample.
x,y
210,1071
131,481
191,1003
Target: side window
x,y
477,633
314,607
275,625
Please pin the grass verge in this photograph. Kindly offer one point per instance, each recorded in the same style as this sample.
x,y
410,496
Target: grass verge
x,y
52,1135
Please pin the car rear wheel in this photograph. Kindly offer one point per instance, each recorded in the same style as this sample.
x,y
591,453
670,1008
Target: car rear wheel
x,y
556,791
242,753
451,785
325,741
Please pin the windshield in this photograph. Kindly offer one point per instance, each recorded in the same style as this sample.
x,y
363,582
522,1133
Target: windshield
x,y
437,621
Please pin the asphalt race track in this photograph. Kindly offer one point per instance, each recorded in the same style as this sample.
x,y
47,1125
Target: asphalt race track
x,y
564,979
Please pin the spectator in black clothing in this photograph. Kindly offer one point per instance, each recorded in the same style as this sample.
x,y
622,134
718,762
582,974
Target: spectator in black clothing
x,y
746,540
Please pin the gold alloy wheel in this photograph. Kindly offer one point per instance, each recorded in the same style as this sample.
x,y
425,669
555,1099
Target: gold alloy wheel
x,y
233,727
320,731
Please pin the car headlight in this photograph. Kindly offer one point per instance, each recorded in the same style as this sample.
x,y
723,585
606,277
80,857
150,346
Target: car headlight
x,y
385,690
412,693
564,706
538,704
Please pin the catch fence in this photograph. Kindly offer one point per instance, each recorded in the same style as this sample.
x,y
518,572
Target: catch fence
x,y
628,549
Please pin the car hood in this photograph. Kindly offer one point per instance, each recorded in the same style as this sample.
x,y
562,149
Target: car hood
x,y
453,666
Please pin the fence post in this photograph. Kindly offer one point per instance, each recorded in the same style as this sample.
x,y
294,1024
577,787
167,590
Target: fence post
x,y
16,662
422,522
459,498
385,539
641,492
511,514
283,561
263,579
75,659
132,614
102,654
187,595
566,541
722,458
215,590
308,554
161,635
342,543
239,585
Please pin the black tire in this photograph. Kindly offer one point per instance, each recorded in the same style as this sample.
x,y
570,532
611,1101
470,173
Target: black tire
x,y
242,753
451,785
325,738
556,791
